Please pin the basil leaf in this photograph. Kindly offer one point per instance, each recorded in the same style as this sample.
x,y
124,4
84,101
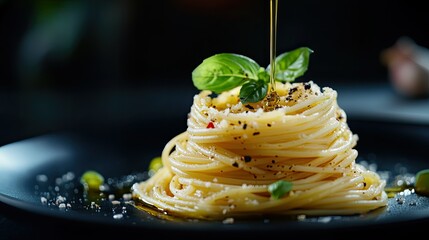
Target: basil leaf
x,y
264,75
293,64
253,91
279,188
224,71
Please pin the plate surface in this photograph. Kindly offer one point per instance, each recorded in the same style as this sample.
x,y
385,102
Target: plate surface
x,y
40,176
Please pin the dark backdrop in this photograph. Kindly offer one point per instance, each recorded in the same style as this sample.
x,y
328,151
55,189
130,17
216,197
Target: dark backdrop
x,y
102,44
67,62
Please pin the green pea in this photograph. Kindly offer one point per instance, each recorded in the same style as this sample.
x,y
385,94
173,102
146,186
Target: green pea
x,y
154,165
422,182
92,180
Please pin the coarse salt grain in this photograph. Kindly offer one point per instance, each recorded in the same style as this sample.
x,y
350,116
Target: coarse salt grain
x,y
111,197
228,221
118,216
60,199
127,196
198,193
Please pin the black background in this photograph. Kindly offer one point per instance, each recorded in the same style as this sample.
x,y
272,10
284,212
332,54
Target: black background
x,y
146,43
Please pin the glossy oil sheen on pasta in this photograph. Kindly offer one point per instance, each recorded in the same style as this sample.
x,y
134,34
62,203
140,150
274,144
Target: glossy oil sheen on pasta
x,y
222,165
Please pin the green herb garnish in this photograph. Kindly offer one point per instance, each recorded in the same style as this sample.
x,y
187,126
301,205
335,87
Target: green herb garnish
x,y
225,71
279,188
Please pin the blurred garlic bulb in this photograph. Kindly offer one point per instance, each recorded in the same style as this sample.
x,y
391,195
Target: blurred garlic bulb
x,y
408,66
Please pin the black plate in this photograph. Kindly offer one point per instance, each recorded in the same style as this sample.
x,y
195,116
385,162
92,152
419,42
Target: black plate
x,y
36,171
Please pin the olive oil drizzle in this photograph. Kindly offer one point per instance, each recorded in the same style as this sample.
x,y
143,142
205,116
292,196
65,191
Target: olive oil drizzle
x,y
272,98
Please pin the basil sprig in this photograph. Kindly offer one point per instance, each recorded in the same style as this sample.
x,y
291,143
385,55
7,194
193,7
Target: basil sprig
x,y
225,71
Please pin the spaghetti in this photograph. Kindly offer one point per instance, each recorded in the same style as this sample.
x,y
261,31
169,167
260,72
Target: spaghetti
x,y
224,163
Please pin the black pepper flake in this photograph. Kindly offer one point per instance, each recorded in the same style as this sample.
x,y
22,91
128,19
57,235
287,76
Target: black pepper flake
x,y
364,184
247,158
268,125
235,164
288,98
249,107
307,86
245,126
292,90
256,133
239,122
273,161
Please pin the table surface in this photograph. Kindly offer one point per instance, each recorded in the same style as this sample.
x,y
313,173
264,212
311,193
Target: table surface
x,y
372,102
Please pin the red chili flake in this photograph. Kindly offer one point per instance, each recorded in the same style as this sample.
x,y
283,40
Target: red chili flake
x,y
210,125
